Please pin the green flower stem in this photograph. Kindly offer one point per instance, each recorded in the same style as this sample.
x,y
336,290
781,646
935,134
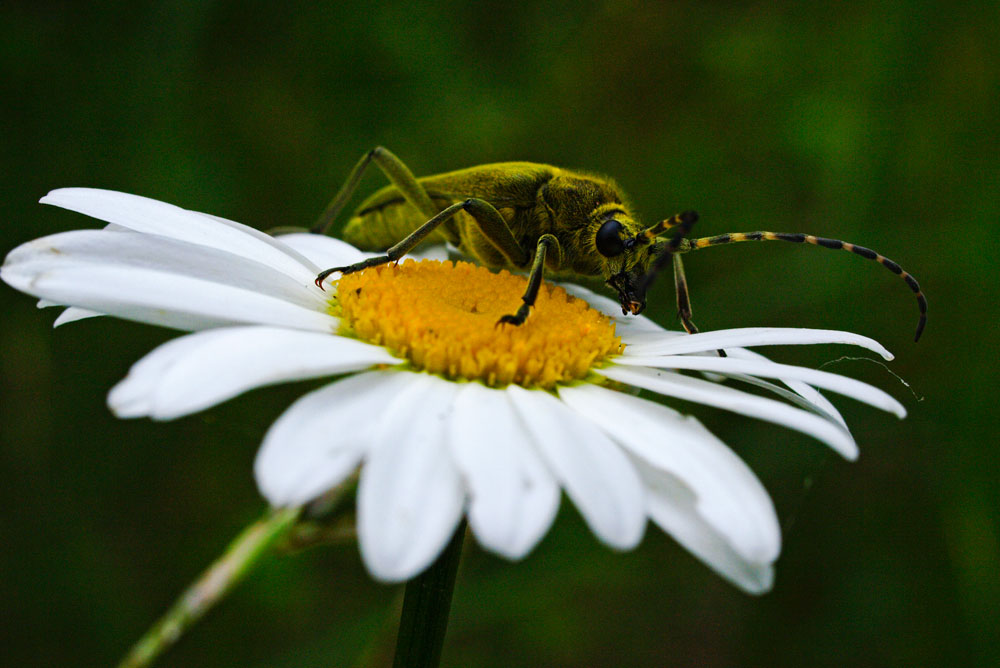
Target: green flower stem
x,y
426,605
212,585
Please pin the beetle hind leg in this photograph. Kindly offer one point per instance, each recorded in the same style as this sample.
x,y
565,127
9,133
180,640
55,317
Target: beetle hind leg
x,y
394,169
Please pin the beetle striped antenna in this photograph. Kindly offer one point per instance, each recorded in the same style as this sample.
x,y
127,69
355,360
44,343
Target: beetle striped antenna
x,y
835,244
681,224
687,219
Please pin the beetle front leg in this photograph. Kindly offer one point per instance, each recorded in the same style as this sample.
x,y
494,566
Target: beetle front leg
x,y
546,243
489,220
399,250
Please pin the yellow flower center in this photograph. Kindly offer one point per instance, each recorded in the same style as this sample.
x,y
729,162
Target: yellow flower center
x,y
442,317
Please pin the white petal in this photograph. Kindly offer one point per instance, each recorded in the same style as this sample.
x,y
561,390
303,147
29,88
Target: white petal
x,y
634,338
176,380
152,217
69,314
328,252
730,366
725,492
672,506
798,397
162,298
626,325
754,336
321,438
131,397
807,392
437,252
513,497
599,302
594,472
323,251
88,248
410,495
701,391
72,314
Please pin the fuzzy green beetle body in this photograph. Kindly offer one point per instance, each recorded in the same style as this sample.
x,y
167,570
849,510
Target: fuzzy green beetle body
x,y
529,216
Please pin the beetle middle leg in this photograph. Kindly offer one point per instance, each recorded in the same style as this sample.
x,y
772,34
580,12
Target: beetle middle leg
x,y
546,243
489,220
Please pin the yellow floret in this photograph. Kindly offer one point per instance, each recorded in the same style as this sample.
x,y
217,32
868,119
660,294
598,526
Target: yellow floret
x,y
443,318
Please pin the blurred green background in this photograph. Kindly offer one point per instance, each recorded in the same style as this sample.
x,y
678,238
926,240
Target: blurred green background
x,y
871,122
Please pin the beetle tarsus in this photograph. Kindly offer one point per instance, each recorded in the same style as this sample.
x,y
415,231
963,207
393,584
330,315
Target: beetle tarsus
x,y
516,319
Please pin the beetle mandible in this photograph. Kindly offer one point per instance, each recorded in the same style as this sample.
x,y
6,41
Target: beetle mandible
x,y
530,216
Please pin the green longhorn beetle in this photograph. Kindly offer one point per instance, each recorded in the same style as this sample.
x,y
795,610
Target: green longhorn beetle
x,y
527,216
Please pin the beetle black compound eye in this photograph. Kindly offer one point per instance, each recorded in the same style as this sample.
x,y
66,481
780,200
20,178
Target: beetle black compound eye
x,y
609,239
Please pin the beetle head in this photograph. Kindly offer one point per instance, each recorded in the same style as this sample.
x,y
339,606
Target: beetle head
x,y
626,259
632,256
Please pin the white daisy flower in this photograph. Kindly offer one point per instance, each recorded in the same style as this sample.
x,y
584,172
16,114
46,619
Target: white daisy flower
x,y
445,413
